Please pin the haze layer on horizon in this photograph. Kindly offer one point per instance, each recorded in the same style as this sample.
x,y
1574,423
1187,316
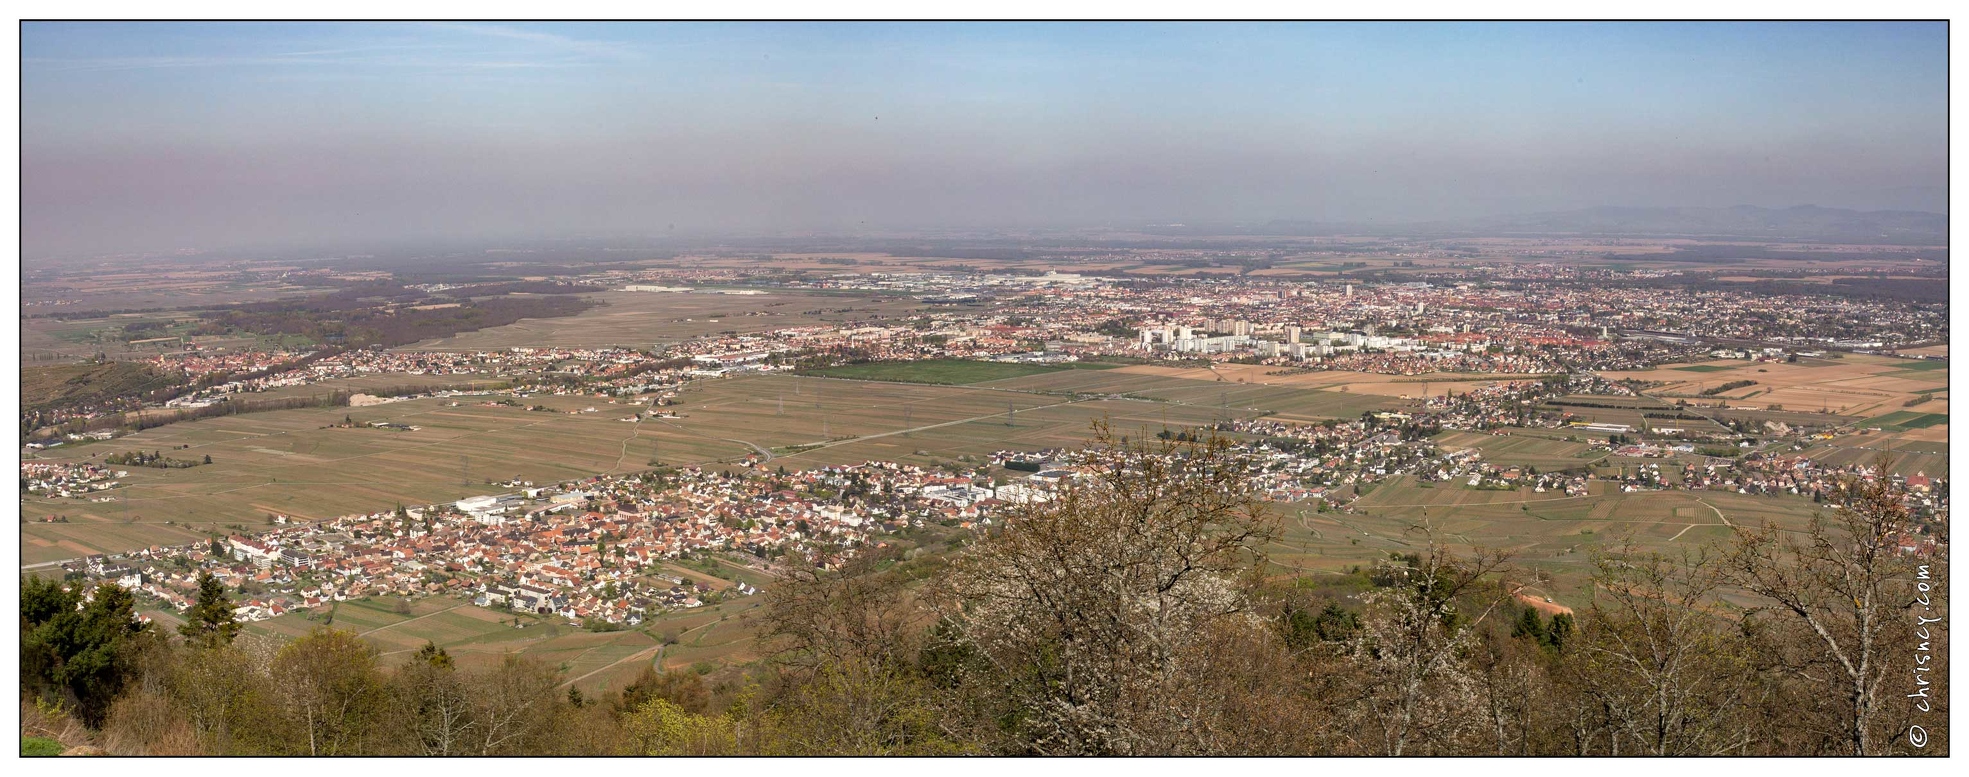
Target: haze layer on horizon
x,y
161,136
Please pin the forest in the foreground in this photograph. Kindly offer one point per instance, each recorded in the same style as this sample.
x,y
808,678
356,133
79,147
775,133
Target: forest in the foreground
x,y
1131,616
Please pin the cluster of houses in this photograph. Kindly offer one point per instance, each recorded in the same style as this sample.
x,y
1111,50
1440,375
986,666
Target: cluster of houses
x,y
67,480
603,548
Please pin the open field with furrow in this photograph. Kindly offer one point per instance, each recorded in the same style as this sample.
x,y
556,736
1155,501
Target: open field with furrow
x,y
640,319
1553,532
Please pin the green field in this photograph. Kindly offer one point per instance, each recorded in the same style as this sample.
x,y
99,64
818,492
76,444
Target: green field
x,y
1706,368
1096,382
1792,417
639,319
1289,403
953,372
1908,419
33,747
1924,366
1939,377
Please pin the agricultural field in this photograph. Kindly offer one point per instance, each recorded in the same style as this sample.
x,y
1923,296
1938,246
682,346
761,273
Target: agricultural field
x,y
146,285
294,462
1398,386
955,372
640,319
1905,452
1907,419
1631,411
594,662
474,636
1853,385
1289,401
809,421
57,341
300,463
1121,380
1520,449
1554,533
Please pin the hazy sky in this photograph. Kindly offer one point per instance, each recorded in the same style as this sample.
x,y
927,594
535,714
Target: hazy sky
x,y
161,136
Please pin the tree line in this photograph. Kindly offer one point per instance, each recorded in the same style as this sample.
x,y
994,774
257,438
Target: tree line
x,y
154,459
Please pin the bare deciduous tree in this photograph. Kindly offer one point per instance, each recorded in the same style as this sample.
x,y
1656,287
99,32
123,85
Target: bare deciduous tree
x,y
1411,647
1096,612
1847,585
329,690
1659,659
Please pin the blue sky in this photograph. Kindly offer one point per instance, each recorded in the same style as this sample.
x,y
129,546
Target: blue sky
x,y
166,135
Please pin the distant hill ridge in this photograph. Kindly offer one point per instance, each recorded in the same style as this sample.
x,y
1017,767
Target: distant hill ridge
x,y
1803,222
1744,220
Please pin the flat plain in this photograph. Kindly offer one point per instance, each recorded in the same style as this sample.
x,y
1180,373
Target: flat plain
x,y
1854,385
640,319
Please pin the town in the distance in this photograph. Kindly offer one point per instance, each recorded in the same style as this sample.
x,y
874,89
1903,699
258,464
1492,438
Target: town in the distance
x,y
628,445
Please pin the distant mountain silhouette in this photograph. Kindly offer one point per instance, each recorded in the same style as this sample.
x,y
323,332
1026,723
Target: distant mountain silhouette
x,y
1804,222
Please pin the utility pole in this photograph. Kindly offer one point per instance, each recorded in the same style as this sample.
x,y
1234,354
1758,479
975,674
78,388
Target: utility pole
x,y
905,420
465,470
1011,414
